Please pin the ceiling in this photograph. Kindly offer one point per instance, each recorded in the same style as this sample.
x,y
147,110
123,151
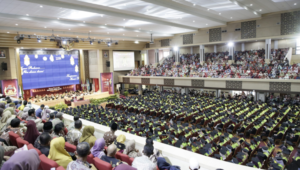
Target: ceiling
x,y
128,20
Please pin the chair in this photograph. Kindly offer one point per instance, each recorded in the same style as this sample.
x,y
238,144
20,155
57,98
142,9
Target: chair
x,y
30,146
66,131
90,159
21,142
60,168
47,163
99,164
13,138
125,158
69,147
130,161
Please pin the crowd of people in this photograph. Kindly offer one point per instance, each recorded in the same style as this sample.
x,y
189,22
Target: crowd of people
x,y
237,130
246,64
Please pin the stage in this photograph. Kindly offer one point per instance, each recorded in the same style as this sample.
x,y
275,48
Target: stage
x,y
52,103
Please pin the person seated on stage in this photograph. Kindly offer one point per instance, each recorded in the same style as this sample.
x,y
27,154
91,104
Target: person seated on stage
x,y
45,140
110,136
110,157
74,135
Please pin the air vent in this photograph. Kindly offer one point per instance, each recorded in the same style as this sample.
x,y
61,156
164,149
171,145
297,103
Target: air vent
x,y
224,31
238,29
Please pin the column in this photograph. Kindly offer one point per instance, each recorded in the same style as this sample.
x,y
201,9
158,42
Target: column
x,y
171,53
140,90
192,50
186,90
161,88
202,57
111,60
176,51
156,53
231,51
147,62
268,50
218,92
243,46
275,44
215,48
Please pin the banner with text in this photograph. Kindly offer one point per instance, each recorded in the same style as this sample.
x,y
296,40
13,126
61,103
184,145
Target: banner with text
x,y
107,82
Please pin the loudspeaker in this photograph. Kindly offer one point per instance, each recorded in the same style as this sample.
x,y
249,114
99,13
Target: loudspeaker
x,y
107,63
4,66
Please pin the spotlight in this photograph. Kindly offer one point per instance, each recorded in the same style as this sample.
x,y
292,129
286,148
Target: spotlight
x,y
45,38
64,42
230,44
52,39
136,42
76,40
19,41
108,44
116,43
175,48
29,36
99,42
39,40
91,42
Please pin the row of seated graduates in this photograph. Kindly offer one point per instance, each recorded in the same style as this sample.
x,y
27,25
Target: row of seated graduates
x,y
187,135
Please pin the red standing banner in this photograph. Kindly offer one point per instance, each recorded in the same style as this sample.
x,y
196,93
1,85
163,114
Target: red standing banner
x,y
96,83
107,82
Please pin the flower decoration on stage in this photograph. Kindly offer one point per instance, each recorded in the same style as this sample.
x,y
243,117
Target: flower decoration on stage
x,y
26,60
62,56
45,58
72,62
76,68
36,56
51,58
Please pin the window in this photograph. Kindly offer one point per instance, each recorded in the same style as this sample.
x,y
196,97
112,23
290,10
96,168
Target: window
x,y
298,46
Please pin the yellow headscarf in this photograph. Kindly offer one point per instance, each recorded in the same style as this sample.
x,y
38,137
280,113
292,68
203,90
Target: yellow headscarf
x,y
88,135
121,139
58,153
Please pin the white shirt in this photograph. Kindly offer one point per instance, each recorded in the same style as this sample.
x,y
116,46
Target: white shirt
x,y
143,163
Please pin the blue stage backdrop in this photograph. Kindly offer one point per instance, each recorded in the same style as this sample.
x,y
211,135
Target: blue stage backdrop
x,y
40,70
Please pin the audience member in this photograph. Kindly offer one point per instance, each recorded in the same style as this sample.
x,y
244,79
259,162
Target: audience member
x,y
8,102
24,114
98,149
82,151
110,158
58,119
1,112
4,122
47,128
74,134
58,131
52,116
162,164
19,104
32,133
38,122
45,140
130,149
72,125
2,160
23,105
88,135
23,160
120,143
194,165
58,153
14,127
143,162
45,113
156,152
38,112
110,136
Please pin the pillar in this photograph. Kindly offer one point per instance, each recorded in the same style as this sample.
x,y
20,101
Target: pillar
x,y
140,90
231,51
268,50
171,53
147,62
161,88
215,48
243,46
156,53
192,50
186,90
202,57
218,92
177,57
275,44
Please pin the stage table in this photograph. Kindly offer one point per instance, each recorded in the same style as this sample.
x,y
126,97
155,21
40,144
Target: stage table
x,y
80,102
52,103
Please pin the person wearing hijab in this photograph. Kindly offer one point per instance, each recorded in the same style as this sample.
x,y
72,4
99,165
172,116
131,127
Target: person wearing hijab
x,y
98,149
120,143
58,153
1,112
125,167
162,164
2,105
23,160
32,133
45,113
6,118
131,151
88,135
1,155
24,114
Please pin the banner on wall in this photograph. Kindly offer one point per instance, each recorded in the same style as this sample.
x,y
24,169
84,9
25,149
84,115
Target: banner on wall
x,y
107,82
10,87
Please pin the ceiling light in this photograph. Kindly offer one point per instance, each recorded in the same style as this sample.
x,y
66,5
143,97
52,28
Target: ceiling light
x,y
7,32
45,27
21,47
41,6
69,29
123,19
57,18
194,4
91,42
206,24
101,15
219,13
57,35
175,48
137,35
64,42
34,33
108,44
245,8
136,42
16,24
83,21
193,21
255,13
260,10
90,31
230,44
230,17
27,14
77,36
107,32
235,3
105,24
123,34
208,9
295,3
39,40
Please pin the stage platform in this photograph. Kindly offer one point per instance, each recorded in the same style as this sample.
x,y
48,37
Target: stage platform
x,y
80,102
52,103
